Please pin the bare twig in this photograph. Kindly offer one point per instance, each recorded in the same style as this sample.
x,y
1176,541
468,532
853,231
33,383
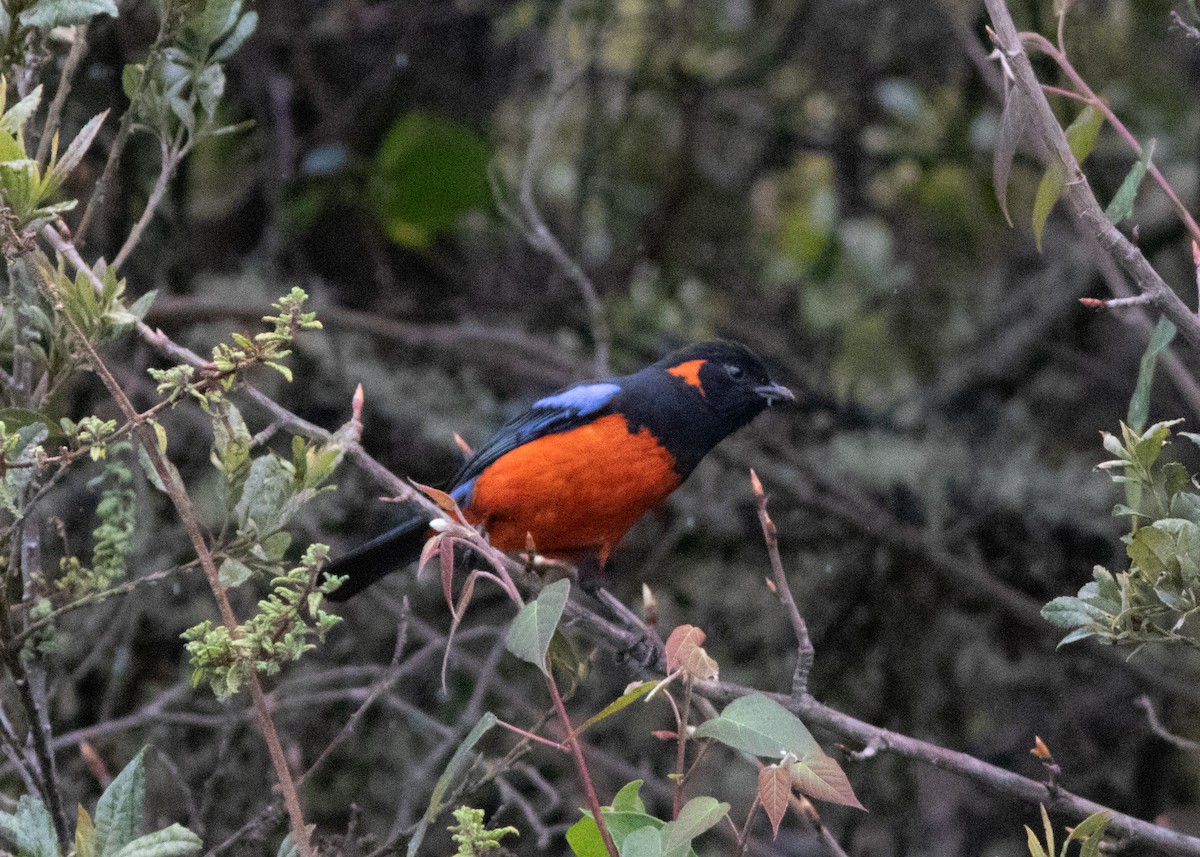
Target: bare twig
x,y
123,131
1156,726
1045,128
79,47
804,646
581,767
545,124
171,157
385,682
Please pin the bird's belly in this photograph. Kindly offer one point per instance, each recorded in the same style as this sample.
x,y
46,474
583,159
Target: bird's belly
x,y
575,490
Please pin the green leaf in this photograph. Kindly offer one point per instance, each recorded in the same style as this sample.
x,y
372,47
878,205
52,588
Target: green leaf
x,y
66,13
1048,192
760,726
174,841
530,632
629,798
245,26
643,842
234,572
131,79
451,776
1081,136
261,509
85,834
428,173
119,811
1014,122
633,694
1090,832
698,815
1035,847
31,828
1139,403
1075,636
1121,205
1067,611
15,117
72,157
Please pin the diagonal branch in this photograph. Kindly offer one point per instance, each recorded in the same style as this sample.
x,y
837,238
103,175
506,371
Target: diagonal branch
x,y
1043,127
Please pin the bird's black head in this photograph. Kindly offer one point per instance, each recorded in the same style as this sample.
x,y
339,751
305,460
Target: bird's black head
x,y
696,397
729,379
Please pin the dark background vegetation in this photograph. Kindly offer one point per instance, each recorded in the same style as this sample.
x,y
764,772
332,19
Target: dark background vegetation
x,y
811,178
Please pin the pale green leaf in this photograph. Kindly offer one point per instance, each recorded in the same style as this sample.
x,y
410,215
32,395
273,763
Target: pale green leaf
x,y
760,726
698,815
1121,205
119,811
1139,403
174,841
450,779
530,633
31,828
48,14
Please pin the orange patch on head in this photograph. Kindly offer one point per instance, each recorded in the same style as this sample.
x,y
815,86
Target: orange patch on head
x,y
689,372
575,490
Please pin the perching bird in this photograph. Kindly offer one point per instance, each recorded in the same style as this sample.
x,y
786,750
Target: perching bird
x,y
581,466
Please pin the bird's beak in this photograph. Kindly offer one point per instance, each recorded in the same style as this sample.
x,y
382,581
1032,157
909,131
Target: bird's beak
x,y
775,393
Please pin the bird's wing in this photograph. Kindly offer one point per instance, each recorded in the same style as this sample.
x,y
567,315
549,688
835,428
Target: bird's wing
x,y
562,411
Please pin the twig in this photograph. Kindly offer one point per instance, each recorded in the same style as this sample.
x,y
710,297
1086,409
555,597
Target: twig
x,y
170,160
804,646
576,750
191,523
385,682
123,131
1156,726
1045,128
545,123
804,808
78,49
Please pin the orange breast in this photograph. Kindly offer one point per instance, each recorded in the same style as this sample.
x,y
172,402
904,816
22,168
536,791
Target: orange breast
x,y
573,491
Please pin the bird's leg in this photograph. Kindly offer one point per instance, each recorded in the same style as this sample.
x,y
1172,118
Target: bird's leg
x,y
648,650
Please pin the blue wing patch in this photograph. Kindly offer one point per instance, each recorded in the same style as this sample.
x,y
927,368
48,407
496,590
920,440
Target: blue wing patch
x,y
581,400
559,412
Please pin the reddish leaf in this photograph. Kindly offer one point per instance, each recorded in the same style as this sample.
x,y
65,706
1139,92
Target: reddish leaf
x,y
684,652
445,501
820,777
774,789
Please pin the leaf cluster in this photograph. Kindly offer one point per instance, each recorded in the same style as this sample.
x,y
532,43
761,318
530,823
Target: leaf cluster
x,y
1156,597
175,93
27,186
280,631
114,832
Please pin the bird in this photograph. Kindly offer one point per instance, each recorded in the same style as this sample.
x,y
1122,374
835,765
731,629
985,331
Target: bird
x,y
573,473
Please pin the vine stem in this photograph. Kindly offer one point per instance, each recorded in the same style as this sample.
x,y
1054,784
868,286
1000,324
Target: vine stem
x,y
573,745
191,524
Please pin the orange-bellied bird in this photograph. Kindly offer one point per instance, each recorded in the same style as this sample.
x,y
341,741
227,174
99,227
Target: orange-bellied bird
x,y
580,467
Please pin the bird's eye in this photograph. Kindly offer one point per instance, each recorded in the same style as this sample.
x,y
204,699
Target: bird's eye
x,y
734,372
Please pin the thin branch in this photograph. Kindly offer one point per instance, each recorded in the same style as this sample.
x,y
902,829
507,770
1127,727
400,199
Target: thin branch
x,y
545,124
804,646
1046,129
386,681
190,518
79,48
572,741
170,160
123,131
1156,726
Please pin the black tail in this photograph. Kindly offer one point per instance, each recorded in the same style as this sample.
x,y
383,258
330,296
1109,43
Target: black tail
x,y
367,563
